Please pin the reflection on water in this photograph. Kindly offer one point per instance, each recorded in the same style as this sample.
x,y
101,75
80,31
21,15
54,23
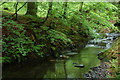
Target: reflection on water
x,y
58,68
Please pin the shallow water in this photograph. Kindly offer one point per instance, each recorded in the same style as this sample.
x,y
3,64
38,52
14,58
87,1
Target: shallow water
x,y
63,68
57,69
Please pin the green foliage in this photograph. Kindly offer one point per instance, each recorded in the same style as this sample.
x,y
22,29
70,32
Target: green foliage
x,y
6,59
56,36
11,6
15,42
45,28
114,68
42,9
94,16
114,65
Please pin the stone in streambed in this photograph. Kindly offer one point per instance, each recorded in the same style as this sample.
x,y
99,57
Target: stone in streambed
x,y
87,75
74,63
80,66
94,68
71,53
64,56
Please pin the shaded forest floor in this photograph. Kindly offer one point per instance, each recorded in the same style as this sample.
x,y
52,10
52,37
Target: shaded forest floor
x,y
40,38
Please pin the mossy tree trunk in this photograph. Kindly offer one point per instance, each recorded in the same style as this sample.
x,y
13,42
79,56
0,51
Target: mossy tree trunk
x,y
81,6
31,8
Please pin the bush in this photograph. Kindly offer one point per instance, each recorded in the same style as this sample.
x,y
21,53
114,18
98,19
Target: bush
x,y
15,42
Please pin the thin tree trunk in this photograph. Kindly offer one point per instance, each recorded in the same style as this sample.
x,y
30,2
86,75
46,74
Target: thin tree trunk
x,y
65,8
16,10
81,6
31,8
20,8
49,10
49,13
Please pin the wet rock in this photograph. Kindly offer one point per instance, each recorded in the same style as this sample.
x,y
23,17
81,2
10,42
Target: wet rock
x,y
98,72
87,75
75,49
74,63
94,68
64,56
80,66
99,67
52,60
71,53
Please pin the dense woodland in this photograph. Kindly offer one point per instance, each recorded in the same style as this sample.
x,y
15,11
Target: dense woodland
x,y
37,30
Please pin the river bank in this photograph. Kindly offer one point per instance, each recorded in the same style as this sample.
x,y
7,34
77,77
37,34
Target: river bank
x,y
57,68
110,63
66,67
37,39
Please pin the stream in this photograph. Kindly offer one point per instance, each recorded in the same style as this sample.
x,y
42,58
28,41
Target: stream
x,y
64,68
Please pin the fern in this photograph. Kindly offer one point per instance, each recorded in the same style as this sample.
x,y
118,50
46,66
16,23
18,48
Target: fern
x,y
56,35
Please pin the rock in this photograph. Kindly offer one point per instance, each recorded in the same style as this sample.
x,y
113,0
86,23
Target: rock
x,y
74,49
64,56
67,51
74,63
81,66
71,53
87,75
52,60
99,71
99,67
94,68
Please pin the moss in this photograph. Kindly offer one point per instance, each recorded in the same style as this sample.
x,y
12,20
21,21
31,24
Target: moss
x,y
113,56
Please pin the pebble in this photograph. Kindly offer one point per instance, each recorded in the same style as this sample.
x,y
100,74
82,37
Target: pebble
x,y
98,72
74,63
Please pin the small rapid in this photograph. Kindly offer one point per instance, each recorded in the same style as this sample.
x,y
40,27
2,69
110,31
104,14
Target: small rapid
x,y
75,65
104,43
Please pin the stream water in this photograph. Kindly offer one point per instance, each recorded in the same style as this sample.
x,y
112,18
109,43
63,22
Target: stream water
x,y
63,68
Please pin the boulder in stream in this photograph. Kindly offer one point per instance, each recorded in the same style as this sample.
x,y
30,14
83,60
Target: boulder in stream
x,y
71,53
80,66
64,56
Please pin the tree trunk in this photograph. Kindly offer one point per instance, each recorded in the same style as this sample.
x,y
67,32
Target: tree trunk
x,y
65,9
31,8
16,10
49,10
49,13
81,6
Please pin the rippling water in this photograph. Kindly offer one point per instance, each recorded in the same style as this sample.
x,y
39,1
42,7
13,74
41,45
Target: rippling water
x,y
60,68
